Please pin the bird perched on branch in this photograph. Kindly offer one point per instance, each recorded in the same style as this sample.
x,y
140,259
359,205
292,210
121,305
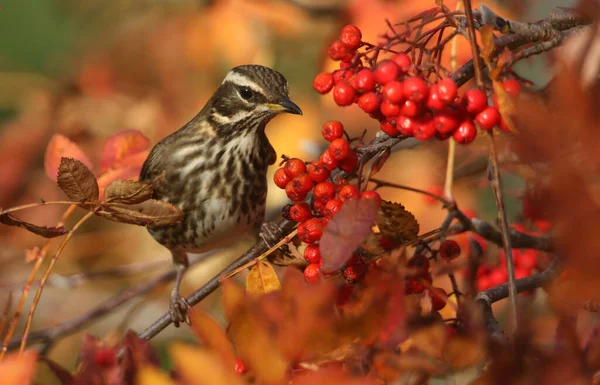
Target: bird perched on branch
x,y
215,168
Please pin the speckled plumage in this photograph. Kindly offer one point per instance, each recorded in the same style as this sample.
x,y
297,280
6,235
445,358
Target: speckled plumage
x,y
214,168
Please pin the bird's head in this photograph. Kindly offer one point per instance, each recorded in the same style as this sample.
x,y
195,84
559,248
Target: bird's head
x,y
251,95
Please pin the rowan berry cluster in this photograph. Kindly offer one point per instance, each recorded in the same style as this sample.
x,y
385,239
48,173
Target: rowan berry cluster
x,y
395,92
328,195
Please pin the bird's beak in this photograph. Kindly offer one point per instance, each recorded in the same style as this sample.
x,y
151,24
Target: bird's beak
x,y
286,105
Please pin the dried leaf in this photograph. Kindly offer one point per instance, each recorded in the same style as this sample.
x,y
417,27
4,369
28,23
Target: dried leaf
x,y
396,223
262,279
77,181
46,232
59,147
380,160
128,191
129,172
18,369
153,213
345,231
201,367
285,258
506,105
463,352
149,375
212,336
122,145
487,42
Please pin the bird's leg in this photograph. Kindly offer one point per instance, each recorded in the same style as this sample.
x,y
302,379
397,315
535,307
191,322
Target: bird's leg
x,y
178,306
268,233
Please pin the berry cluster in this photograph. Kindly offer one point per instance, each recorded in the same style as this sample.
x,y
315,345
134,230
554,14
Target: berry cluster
x,y
395,93
299,179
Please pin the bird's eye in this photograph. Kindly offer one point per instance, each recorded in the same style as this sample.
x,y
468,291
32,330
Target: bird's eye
x,y
246,93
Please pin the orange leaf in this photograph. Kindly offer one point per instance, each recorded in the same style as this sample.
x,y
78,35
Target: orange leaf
x,y
487,42
331,376
262,279
60,146
18,369
210,333
149,375
122,145
200,367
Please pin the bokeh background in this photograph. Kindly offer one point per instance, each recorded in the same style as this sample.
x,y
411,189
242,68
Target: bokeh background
x,y
87,69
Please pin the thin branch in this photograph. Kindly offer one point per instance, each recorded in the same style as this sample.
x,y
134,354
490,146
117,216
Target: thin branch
x,y
383,183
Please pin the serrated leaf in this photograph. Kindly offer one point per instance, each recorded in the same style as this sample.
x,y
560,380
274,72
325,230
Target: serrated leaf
x,y
129,172
121,146
46,232
60,146
396,223
262,279
212,336
77,181
345,231
153,213
128,191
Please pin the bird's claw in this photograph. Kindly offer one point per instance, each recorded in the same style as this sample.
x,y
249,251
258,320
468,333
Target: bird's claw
x,y
179,309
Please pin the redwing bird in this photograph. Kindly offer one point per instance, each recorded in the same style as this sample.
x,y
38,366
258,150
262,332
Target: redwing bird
x,y
214,168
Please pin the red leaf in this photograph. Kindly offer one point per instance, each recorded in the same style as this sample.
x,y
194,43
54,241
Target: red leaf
x,y
60,146
122,145
346,230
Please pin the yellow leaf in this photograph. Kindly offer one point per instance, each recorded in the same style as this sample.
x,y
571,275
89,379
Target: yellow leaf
x,y
200,367
487,42
262,279
506,104
210,333
149,375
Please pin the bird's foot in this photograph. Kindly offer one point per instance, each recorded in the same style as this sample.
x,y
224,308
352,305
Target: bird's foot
x,y
269,232
179,309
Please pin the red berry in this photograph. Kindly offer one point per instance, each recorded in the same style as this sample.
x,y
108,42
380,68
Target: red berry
x,y
447,90
415,89
299,187
312,272
446,121
341,75
512,87
388,244
405,125
424,129
389,109
403,61
364,80
332,207
410,108
419,284
240,367
318,172
312,254
386,71
449,249
389,128
310,231
323,82
332,130
324,191
328,160
300,212
339,148
465,133
348,192
488,118
280,178
343,94
294,166
434,101
521,272
337,50
351,36
105,357
498,276
350,162
370,194
369,102
393,92
527,259
355,273
484,283
474,101
420,263
439,298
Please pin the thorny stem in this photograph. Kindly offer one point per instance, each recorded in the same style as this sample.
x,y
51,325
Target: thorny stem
x,y
27,287
38,293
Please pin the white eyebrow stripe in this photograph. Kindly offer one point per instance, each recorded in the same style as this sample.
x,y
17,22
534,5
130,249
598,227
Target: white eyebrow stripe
x,y
241,80
240,115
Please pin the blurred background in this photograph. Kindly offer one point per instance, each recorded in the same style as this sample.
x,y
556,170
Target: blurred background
x,y
87,69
